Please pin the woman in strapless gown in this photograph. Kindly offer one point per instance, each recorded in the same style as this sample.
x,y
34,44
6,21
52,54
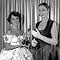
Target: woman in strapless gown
x,y
14,49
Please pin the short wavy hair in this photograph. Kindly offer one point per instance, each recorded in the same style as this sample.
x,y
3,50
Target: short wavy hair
x,y
15,14
44,4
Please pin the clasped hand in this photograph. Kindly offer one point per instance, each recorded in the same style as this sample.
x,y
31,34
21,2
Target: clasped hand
x,y
36,33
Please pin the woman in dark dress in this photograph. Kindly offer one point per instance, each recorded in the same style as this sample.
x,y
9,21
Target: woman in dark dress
x,y
44,35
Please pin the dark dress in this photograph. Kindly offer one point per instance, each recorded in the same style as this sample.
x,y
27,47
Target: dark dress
x,y
42,49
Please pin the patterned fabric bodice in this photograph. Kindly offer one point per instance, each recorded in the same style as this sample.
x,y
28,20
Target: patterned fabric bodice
x,y
12,39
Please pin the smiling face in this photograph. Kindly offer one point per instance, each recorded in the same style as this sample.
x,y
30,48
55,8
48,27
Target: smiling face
x,y
43,11
14,20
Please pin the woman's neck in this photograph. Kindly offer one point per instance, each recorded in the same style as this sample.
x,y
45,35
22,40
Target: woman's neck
x,y
15,28
45,19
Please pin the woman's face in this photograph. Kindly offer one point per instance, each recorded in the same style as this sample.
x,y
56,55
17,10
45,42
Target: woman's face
x,y
43,11
14,20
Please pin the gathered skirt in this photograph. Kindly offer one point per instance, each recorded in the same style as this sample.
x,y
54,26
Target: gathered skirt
x,y
16,54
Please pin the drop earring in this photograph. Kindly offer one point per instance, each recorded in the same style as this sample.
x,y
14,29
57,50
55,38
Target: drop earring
x,y
11,25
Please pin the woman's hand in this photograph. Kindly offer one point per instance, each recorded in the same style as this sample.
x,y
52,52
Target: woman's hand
x,y
34,42
36,33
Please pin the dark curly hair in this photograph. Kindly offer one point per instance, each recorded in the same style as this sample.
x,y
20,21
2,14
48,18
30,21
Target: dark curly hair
x,y
14,13
44,4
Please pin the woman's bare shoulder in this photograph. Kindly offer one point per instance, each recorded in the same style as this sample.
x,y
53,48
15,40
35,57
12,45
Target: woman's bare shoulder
x,y
9,31
21,32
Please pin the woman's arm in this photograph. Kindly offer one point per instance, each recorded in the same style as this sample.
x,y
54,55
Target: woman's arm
x,y
10,47
54,34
